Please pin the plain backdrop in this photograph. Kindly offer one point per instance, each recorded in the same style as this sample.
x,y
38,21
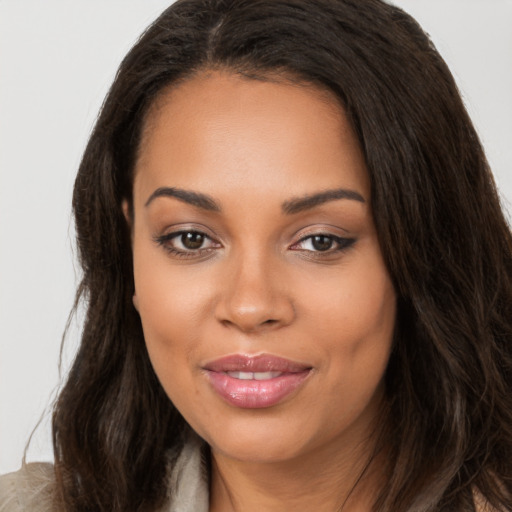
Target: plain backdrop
x,y
57,60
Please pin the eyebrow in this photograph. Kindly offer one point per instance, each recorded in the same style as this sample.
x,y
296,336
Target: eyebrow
x,y
290,207
310,201
197,199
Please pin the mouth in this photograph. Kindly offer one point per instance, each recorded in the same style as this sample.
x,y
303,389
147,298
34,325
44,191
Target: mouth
x,y
255,382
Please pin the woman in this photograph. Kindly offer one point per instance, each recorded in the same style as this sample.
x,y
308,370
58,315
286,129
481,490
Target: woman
x,y
297,276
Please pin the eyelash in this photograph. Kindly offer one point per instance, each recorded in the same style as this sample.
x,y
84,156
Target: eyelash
x,y
165,241
342,244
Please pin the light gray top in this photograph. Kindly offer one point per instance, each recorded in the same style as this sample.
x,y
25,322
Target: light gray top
x,y
32,488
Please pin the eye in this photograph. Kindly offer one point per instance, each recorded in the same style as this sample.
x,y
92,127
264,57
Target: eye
x,y
187,243
190,240
323,243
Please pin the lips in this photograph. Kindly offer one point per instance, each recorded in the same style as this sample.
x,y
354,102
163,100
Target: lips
x,y
254,382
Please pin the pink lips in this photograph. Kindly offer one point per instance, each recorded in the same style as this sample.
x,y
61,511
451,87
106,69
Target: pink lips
x,y
255,382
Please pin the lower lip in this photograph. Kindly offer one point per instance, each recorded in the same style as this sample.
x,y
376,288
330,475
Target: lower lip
x,y
256,394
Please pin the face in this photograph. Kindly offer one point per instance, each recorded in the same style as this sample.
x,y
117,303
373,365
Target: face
x,y
267,310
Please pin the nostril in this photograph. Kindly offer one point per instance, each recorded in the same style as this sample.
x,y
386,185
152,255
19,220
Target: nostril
x,y
250,328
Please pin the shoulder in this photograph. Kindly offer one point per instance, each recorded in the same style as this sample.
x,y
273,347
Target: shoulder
x,y
32,488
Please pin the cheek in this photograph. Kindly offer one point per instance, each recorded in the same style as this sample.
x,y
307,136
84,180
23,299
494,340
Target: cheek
x,y
169,295
351,317
353,305
171,303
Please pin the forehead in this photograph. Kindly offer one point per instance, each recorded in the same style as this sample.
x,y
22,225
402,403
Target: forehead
x,y
219,132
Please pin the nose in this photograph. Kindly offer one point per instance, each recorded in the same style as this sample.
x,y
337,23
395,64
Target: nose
x,y
254,296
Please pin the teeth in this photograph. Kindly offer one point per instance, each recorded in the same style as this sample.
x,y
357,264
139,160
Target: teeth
x,y
241,375
266,375
254,375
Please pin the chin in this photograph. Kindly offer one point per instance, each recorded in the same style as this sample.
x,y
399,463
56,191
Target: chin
x,y
261,438
259,451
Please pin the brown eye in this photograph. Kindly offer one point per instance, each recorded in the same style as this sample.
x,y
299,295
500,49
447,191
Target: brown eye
x,y
192,240
322,242
187,243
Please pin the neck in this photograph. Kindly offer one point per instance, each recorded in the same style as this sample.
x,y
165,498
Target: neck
x,y
343,476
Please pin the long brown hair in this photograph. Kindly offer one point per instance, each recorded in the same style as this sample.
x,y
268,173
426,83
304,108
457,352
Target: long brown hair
x,y
444,238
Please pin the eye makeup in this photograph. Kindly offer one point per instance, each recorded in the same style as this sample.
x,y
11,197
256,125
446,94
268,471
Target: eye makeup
x,y
193,243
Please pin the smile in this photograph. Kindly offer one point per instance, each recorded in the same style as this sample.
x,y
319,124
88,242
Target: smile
x,y
255,382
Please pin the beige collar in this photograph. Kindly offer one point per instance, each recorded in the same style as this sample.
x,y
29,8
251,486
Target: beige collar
x,y
188,485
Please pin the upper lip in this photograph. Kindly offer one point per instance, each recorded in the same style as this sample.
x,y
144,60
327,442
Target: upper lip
x,y
256,363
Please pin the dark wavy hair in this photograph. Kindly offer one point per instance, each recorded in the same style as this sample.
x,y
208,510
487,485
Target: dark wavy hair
x,y
442,232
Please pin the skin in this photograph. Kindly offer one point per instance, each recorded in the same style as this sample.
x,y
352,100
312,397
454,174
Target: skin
x,y
259,285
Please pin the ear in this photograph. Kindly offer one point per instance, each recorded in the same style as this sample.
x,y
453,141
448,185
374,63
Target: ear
x,y
127,213
125,206
127,209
